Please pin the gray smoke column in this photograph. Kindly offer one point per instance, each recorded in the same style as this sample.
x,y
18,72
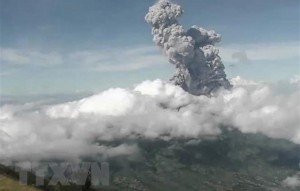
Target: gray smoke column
x,y
199,69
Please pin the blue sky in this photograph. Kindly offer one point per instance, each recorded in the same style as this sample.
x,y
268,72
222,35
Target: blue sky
x,y
77,46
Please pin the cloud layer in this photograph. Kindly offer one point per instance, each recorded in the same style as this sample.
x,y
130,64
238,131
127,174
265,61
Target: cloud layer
x,y
293,181
153,109
114,59
260,52
26,57
142,56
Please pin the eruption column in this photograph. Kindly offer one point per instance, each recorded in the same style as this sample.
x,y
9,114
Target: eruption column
x,y
199,69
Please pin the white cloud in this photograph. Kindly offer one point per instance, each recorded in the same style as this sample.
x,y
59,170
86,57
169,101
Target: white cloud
x,y
122,59
293,181
25,57
116,59
139,57
295,79
154,109
6,72
260,52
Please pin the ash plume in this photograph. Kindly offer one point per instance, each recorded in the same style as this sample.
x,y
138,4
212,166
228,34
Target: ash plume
x,y
199,69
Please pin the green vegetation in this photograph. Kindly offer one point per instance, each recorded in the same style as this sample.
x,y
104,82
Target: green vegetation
x,y
9,184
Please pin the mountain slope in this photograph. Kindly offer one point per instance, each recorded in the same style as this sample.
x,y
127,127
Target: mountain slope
x,y
232,162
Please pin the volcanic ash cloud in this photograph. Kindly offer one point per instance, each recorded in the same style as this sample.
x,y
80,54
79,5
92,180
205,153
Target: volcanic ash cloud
x,y
199,69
